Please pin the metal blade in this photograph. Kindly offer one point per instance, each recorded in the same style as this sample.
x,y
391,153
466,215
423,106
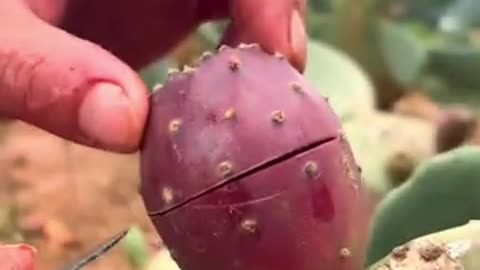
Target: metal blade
x,y
97,252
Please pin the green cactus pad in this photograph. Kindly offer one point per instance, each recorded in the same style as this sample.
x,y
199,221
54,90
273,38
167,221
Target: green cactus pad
x,y
442,193
338,77
455,63
452,249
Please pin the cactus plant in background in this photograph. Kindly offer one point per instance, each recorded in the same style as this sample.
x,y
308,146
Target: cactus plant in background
x,y
392,57
442,193
155,72
349,97
456,248
402,43
136,248
390,148
244,166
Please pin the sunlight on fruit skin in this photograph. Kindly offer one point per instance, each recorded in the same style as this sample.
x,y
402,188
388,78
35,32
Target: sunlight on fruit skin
x,y
243,163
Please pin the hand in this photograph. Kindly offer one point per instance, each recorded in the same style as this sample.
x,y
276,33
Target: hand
x,y
54,75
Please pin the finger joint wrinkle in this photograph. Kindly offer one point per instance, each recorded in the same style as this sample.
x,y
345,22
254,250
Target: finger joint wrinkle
x,y
17,74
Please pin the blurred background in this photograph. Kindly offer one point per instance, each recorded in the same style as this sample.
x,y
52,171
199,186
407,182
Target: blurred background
x,y
401,75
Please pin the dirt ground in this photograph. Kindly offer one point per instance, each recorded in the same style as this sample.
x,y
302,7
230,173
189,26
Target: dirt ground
x,y
64,198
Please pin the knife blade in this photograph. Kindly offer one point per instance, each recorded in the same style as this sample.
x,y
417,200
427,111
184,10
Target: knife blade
x,y
96,252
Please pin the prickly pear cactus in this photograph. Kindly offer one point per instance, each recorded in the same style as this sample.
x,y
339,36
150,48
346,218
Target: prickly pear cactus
x,y
244,166
456,248
443,192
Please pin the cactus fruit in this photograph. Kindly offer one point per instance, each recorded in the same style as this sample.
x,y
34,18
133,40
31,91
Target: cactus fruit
x,y
455,248
443,192
244,166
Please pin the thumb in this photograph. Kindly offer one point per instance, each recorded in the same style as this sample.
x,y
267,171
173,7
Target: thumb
x,y
70,87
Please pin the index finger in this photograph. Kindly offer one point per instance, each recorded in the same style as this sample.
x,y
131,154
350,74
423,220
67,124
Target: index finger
x,y
276,25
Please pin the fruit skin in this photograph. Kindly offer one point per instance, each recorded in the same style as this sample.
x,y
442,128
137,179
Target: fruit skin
x,y
17,257
280,218
443,192
227,172
207,120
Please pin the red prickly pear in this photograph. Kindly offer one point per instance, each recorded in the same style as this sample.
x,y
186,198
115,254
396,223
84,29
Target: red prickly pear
x,y
244,166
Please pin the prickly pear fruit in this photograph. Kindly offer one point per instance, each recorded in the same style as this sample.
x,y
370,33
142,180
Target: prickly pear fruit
x,y
18,257
443,192
452,249
244,166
